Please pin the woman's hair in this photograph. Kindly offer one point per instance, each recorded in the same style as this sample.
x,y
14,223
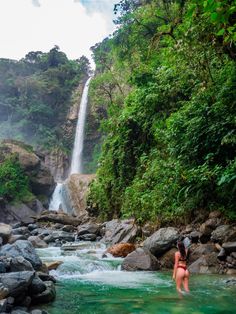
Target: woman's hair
x,y
181,248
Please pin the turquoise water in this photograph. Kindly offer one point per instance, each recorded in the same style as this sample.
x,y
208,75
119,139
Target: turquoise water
x,y
89,284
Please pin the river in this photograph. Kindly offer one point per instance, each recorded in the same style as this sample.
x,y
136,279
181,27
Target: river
x,y
90,284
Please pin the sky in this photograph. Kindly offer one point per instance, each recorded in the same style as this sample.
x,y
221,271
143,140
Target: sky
x,y
73,25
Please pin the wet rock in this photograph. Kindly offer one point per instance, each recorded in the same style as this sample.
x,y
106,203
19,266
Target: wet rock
x,y
140,259
5,232
3,305
206,264
32,227
37,286
37,242
53,265
21,231
116,231
121,249
168,259
161,241
47,295
19,263
17,282
59,235
88,228
2,268
22,248
68,228
46,277
87,237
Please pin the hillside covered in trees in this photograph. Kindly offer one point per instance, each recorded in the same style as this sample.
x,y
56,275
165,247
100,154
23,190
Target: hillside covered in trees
x,y
35,96
167,78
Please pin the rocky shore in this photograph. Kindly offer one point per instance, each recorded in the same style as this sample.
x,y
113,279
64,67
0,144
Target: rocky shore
x,y
25,281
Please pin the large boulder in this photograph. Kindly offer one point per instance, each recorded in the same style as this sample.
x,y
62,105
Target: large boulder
x,y
207,264
17,283
229,247
116,231
48,295
224,233
161,241
121,249
42,183
5,232
19,263
207,227
199,250
59,235
22,248
141,259
37,242
167,260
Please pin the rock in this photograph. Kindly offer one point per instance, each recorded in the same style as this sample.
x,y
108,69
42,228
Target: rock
x,y
206,229
19,263
3,305
87,237
229,247
230,282
2,268
53,265
21,212
88,228
223,233
61,218
222,255
140,259
161,241
59,235
42,183
215,214
117,231
231,271
168,259
3,292
77,188
16,237
20,231
206,264
5,232
195,236
32,227
1,241
22,248
17,282
46,277
47,295
37,242
68,228
200,250
37,286
148,229
38,312
19,311
121,249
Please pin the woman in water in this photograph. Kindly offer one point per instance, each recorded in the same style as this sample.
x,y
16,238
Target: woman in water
x,y
180,272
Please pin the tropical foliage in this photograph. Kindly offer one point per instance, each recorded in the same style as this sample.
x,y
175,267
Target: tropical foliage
x,y
167,78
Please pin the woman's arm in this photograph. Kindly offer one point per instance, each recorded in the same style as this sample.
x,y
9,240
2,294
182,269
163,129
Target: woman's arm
x,y
175,265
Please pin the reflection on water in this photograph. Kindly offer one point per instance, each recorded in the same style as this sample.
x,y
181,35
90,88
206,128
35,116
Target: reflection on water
x,y
90,284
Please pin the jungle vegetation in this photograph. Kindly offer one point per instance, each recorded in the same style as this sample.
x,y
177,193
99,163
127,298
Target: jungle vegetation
x,y
167,79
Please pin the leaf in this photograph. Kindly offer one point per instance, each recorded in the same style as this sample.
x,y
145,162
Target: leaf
x,y
214,16
221,32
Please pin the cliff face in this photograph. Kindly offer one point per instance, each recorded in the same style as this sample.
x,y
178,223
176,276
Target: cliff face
x,y
41,182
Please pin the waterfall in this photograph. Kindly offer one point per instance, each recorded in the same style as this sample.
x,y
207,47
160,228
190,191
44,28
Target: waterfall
x,y
60,199
76,162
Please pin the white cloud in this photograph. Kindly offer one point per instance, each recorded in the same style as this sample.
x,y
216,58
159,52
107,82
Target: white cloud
x,y
31,25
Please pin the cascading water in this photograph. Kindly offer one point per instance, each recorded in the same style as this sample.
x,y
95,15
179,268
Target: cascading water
x,y
59,198
76,162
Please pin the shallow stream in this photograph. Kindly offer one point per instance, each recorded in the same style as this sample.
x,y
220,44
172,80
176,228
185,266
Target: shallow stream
x,y
90,284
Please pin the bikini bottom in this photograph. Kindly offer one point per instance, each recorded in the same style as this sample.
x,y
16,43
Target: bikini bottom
x,y
181,266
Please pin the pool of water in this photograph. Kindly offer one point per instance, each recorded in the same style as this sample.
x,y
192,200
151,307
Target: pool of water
x,y
90,284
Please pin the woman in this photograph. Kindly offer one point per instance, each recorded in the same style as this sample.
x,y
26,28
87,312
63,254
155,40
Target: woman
x,y
181,273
